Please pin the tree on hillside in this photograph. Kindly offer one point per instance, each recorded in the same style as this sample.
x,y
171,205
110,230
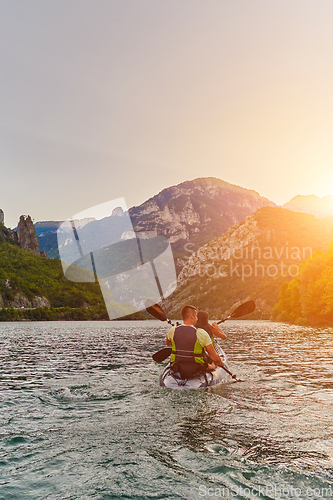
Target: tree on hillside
x,y
308,298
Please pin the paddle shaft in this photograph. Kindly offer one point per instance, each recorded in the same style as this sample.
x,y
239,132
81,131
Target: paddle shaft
x,y
225,319
231,374
241,310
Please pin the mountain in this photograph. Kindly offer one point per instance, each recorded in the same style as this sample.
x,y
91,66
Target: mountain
x,y
251,260
46,232
192,213
311,204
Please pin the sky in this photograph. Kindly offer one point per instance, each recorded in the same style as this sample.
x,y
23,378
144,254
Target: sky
x,y
106,99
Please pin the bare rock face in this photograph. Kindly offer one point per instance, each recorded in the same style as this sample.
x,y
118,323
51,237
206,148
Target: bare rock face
x,y
40,302
21,302
2,217
231,242
192,209
27,235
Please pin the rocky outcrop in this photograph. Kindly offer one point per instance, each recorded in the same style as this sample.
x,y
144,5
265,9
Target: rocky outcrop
x,y
27,235
2,217
9,234
21,302
40,302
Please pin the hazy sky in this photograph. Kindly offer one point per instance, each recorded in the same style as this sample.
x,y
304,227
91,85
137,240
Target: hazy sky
x,y
108,99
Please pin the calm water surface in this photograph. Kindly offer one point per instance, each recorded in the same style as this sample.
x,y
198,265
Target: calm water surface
x,y
82,415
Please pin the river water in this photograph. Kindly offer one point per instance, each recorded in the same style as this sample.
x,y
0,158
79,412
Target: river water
x,y
83,417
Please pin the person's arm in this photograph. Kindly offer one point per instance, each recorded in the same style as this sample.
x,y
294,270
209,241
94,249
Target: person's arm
x,y
170,336
206,342
213,355
216,330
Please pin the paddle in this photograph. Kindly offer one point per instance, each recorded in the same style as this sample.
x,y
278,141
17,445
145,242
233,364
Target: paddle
x,y
161,355
241,310
231,374
156,311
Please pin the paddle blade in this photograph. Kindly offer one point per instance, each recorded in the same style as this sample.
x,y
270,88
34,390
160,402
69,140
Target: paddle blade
x,y
155,310
161,355
244,309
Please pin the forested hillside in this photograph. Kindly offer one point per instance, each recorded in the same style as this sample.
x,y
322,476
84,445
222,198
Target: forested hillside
x,y
308,298
252,260
34,287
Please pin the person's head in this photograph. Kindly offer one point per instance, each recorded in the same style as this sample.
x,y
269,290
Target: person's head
x,y
202,318
189,315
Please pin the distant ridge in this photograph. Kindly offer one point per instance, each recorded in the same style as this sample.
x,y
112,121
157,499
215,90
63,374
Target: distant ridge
x,y
312,204
46,232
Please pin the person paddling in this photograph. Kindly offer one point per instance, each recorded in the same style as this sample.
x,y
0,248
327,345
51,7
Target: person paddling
x,y
212,330
189,344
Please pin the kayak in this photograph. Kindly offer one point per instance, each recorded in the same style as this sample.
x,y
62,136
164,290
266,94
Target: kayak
x,y
173,380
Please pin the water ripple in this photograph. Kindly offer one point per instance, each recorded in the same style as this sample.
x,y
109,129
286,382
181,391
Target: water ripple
x,y
82,415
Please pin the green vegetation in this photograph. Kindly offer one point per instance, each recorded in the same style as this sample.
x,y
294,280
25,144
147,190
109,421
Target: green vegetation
x,y
281,262
63,314
308,298
28,276
31,275
54,314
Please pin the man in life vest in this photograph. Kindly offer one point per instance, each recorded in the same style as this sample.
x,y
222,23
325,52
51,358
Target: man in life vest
x,y
189,344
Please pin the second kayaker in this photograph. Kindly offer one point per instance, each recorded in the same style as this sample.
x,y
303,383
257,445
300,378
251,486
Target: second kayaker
x,y
212,330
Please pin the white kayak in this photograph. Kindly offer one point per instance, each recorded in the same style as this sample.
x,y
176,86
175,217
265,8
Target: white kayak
x,y
172,379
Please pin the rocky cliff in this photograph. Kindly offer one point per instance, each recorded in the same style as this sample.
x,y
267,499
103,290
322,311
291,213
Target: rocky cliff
x,y
20,301
30,284
26,235
5,232
194,212
186,209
